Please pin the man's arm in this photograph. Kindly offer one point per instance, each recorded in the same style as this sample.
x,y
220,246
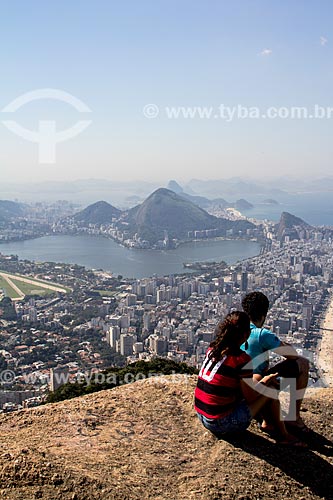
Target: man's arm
x,y
286,350
271,342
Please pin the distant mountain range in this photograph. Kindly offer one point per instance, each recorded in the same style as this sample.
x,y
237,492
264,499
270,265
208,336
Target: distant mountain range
x,y
207,203
163,210
175,213
85,191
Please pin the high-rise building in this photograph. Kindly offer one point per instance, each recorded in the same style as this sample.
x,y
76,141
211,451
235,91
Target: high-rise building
x,y
244,282
58,377
125,321
160,296
137,347
126,344
306,315
131,299
113,335
32,314
158,345
146,321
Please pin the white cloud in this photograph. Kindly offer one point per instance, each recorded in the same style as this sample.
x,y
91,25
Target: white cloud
x,y
323,41
266,52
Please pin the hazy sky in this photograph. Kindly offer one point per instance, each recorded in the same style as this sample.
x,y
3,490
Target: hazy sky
x,y
119,56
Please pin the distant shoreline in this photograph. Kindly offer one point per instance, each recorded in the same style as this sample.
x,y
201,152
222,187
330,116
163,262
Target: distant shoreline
x,y
106,236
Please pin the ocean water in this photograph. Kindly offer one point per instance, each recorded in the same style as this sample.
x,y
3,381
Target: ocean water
x,y
314,208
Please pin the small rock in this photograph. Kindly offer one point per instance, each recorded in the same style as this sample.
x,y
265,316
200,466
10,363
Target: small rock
x,y
56,479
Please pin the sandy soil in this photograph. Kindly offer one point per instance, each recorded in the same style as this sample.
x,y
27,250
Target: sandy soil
x,y
325,352
144,441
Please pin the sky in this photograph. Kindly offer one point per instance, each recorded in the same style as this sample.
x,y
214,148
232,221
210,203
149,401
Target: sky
x,y
131,66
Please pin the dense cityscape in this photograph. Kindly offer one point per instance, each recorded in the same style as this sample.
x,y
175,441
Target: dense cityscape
x,y
100,320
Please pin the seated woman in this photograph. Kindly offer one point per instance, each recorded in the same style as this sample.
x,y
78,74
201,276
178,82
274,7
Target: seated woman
x,y
226,398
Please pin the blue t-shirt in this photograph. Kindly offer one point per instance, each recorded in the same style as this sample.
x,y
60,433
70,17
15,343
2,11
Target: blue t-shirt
x,y
261,341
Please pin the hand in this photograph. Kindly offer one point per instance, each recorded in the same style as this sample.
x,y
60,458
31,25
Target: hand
x,y
270,380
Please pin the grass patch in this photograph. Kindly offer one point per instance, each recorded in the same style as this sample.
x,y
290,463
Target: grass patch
x,y
36,284
44,282
8,290
32,289
105,293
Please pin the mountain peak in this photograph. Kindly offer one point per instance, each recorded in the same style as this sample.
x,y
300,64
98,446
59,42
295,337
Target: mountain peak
x,y
165,210
290,225
174,186
162,192
100,212
291,220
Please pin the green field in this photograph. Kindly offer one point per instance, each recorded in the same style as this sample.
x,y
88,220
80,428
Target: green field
x,y
8,290
32,289
105,293
44,282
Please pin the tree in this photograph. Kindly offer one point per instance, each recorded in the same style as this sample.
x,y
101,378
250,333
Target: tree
x,y
8,309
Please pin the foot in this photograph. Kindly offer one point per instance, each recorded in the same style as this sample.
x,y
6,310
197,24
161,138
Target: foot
x,y
267,428
298,425
291,441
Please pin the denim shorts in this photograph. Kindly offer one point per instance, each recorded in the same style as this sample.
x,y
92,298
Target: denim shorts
x,y
237,421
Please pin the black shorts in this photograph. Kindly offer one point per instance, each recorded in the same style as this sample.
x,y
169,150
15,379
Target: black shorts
x,y
286,369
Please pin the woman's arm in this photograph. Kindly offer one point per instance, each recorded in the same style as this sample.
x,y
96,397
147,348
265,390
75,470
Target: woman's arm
x,y
249,386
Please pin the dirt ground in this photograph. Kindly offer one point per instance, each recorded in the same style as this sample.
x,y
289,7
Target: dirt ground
x,y
144,441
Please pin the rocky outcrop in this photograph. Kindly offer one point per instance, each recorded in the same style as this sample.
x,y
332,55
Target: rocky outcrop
x,y
290,225
144,441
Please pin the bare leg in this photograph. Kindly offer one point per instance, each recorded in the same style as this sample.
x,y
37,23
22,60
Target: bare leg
x,y
301,384
265,412
296,399
271,409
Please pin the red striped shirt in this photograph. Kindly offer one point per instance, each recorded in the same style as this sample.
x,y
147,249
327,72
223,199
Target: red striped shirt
x,y
218,389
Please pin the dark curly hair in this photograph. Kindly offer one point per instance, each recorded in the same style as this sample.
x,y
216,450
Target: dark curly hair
x,y
229,335
256,305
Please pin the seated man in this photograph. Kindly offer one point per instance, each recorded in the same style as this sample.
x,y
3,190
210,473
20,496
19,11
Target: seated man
x,y
260,342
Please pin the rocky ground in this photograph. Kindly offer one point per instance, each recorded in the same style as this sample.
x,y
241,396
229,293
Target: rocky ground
x,y
143,441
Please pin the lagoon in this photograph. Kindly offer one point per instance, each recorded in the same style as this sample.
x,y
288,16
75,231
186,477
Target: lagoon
x,y
97,252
